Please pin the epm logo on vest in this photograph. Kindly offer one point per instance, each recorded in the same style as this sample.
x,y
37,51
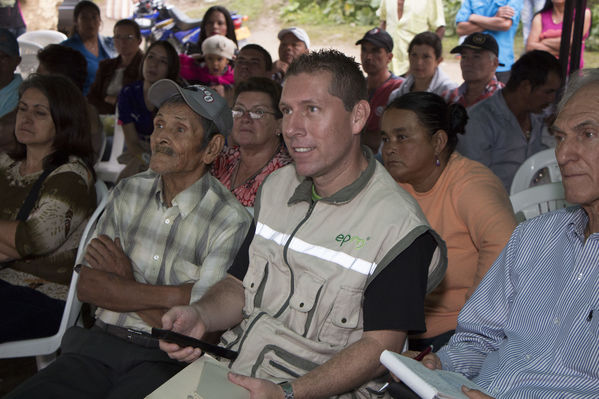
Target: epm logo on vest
x,y
348,239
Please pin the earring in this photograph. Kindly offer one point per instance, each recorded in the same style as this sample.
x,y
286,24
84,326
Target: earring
x,y
437,162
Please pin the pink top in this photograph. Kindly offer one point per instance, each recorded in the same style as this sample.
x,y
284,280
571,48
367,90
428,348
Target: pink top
x,y
191,70
227,163
550,29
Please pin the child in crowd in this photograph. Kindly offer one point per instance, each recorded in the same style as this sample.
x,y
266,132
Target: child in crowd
x,y
215,70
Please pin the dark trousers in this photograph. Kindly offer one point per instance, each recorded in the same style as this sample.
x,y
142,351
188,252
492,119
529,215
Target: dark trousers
x,y
27,313
94,364
437,342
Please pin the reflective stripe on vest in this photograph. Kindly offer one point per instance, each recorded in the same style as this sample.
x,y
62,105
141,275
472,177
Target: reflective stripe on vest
x,y
340,258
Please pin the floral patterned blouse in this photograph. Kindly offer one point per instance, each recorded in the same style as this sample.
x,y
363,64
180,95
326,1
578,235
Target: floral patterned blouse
x,y
48,239
227,162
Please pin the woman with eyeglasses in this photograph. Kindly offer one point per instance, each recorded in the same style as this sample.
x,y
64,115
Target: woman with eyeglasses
x,y
259,148
115,73
87,40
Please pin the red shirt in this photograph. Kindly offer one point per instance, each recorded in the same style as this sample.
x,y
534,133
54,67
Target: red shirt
x,y
227,163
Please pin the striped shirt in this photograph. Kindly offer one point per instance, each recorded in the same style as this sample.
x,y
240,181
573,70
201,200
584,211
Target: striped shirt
x,y
531,329
193,241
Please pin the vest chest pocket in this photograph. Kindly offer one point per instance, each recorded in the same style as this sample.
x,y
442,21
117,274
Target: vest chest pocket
x,y
344,317
253,284
305,296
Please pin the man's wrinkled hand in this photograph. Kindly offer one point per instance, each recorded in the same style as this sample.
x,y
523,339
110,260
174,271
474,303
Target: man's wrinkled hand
x,y
259,388
107,255
187,321
432,361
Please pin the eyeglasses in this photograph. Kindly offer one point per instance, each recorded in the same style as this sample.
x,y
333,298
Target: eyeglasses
x,y
254,114
125,37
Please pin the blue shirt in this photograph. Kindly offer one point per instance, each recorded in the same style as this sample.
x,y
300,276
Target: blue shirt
x,y
531,329
495,139
132,109
505,39
105,50
9,95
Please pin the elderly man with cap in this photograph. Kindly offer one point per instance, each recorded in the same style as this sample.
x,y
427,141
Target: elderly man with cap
x,y
294,42
479,60
376,52
165,237
497,18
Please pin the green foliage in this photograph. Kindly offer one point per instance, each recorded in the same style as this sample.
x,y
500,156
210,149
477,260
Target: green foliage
x,y
359,12
592,42
451,8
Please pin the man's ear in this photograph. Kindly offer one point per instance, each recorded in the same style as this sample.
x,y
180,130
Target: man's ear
x,y
213,148
359,116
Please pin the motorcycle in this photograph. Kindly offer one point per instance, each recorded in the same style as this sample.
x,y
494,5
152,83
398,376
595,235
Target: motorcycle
x,y
159,21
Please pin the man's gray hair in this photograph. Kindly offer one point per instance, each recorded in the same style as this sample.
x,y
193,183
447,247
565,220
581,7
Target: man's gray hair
x,y
578,80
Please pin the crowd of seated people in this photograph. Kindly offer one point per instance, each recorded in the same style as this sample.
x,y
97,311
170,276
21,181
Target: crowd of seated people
x,y
453,149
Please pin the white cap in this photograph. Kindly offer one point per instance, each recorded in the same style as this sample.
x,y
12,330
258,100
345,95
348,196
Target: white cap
x,y
219,45
297,32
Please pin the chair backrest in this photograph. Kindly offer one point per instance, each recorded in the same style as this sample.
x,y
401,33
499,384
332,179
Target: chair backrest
x,y
109,170
43,37
29,61
537,200
48,345
539,167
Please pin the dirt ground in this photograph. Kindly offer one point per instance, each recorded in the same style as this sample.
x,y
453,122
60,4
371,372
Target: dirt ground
x,y
264,31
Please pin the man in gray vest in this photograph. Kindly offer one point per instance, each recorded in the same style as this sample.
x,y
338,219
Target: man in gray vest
x,y
335,269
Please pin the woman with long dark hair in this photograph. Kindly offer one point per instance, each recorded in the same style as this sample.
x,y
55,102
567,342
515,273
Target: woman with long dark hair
x,y
136,112
46,196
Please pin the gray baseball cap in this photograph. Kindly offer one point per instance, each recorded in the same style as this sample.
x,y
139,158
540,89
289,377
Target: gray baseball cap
x,y
201,99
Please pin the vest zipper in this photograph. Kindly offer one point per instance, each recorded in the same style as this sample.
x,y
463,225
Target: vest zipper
x,y
285,248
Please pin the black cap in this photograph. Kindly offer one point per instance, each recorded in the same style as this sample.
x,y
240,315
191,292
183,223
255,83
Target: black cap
x,y
379,38
478,41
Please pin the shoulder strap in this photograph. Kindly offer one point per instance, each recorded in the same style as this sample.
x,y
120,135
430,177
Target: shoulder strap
x,y
33,194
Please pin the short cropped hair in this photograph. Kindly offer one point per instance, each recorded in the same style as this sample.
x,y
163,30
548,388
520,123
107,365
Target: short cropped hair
x,y
534,67
430,39
66,61
578,80
261,50
130,23
347,82
262,85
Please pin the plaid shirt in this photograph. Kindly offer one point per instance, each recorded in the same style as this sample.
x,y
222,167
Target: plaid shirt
x,y
193,241
457,95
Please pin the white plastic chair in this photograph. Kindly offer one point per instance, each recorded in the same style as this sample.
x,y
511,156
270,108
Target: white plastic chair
x,y
537,200
43,37
29,61
44,349
541,162
109,170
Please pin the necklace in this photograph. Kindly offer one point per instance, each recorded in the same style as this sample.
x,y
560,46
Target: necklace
x,y
253,176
